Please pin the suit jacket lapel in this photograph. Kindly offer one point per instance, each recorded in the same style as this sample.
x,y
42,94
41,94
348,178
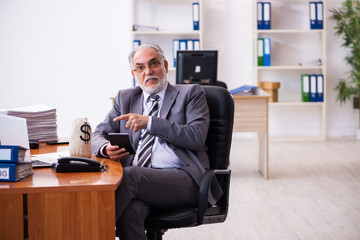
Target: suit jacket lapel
x,y
169,99
136,106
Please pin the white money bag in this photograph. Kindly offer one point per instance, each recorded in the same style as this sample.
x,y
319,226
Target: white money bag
x,y
80,138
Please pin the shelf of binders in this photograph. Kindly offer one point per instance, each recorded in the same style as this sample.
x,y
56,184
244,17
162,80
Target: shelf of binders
x,y
289,14
163,18
295,31
290,31
296,103
168,32
162,22
293,67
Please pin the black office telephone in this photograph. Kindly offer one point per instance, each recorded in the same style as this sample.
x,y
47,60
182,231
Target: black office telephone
x,y
78,164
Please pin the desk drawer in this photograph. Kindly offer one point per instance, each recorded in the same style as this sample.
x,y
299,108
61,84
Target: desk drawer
x,y
250,115
11,216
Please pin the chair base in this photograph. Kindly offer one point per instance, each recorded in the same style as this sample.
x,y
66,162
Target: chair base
x,y
155,234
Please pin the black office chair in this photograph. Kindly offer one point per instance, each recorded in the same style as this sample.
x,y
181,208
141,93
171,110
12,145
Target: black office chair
x,y
218,140
221,84
218,83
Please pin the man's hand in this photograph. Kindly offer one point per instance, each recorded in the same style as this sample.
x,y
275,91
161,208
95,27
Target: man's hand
x,y
115,152
135,122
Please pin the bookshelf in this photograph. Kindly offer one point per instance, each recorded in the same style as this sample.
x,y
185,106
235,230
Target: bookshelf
x,y
174,21
292,41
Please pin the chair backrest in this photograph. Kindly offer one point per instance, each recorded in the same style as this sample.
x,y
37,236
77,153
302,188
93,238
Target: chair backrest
x,y
218,141
221,84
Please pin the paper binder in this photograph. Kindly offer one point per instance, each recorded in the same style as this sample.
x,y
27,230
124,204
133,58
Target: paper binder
x,y
266,15
320,88
190,44
260,15
260,52
319,15
305,90
267,52
175,49
313,88
182,44
196,44
195,8
312,12
12,154
136,43
316,15
12,172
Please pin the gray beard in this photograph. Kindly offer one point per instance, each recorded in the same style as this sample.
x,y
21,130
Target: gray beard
x,y
158,87
154,89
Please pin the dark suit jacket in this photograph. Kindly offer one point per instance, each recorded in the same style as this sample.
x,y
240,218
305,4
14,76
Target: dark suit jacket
x,y
183,124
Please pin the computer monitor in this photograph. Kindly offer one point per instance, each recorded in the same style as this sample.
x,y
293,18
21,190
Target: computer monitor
x,y
198,67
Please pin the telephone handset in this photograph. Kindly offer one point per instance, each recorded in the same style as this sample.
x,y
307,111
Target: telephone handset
x,y
78,164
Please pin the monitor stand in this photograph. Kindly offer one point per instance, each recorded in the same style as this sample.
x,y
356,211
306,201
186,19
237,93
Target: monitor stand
x,y
197,81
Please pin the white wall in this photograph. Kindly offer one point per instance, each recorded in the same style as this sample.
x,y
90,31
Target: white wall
x,y
228,29
72,55
67,54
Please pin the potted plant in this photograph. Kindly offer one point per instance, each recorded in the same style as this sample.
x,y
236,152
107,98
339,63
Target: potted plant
x,y
347,20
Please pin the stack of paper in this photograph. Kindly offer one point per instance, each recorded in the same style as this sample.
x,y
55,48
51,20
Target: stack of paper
x,y
22,170
21,154
41,122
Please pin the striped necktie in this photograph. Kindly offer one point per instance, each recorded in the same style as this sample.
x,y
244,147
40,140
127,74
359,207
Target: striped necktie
x,y
144,154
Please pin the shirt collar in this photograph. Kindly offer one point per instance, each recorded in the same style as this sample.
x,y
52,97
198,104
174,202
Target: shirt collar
x,y
161,93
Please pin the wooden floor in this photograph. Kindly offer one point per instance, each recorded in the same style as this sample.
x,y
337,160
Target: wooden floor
x,y
313,193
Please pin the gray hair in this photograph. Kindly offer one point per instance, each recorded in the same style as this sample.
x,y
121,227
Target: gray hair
x,y
157,48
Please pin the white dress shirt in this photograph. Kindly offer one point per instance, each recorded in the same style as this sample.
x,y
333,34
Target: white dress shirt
x,y
162,156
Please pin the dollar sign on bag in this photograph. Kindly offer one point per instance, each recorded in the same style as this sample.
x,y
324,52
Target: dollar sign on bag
x,y
85,129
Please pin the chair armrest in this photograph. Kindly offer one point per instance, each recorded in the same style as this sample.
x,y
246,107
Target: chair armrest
x,y
205,188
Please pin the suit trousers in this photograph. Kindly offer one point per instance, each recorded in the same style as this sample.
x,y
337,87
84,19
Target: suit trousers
x,y
144,189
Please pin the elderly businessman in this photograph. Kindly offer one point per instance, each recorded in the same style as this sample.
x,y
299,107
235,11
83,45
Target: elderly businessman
x,y
167,126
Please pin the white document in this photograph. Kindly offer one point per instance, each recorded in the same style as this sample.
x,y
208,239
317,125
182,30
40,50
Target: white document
x,y
50,157
13,131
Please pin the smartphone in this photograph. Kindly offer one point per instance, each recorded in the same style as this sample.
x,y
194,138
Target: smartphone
x,y
122,140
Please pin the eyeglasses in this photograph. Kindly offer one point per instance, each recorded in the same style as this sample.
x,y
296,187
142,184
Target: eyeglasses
x,y
152,65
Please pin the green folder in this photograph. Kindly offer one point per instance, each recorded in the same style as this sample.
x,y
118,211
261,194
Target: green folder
x,y
260,52
305,87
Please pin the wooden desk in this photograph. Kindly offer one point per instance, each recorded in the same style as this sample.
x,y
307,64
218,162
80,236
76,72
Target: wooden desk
x,y
251,115
60,205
